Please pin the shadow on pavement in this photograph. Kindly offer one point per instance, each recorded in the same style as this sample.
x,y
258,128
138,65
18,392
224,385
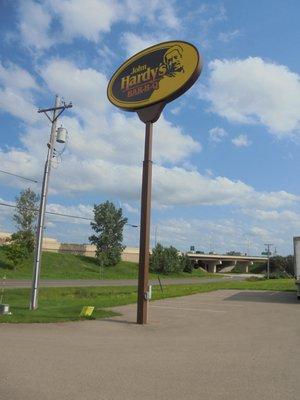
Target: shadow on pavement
x,y
118,321
265,297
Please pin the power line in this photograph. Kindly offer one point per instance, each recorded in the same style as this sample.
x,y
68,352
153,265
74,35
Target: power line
x,y
19,176
48,212
59,214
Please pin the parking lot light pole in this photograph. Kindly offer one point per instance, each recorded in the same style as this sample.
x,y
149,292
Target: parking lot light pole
x,y
57,110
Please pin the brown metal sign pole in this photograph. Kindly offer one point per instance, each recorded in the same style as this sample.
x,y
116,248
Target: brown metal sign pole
x,y
148,115
145,228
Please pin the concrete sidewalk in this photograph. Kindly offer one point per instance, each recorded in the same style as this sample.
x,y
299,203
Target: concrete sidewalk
x,y
215,346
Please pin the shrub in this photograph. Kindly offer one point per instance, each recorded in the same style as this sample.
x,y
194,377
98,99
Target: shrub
x,y
187,264
255,278
279,275
165,260
16,252
282,264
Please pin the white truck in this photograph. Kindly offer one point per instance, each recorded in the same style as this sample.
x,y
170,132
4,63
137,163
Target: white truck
x,y
297,263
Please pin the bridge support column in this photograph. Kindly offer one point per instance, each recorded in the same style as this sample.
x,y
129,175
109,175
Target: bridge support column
x,y
212,266
245,267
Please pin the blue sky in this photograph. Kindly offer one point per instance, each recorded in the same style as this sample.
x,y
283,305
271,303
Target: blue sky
x,y
225,154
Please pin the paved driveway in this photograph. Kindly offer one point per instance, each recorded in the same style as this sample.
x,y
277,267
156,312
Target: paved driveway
x,y
220,345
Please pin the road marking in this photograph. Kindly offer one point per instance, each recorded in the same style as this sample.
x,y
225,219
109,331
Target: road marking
x,y
190,309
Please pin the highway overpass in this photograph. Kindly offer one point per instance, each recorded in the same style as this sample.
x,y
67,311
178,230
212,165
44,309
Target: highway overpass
x,y
224,262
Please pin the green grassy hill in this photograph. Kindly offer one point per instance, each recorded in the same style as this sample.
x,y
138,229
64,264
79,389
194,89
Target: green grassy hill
x,y
70,266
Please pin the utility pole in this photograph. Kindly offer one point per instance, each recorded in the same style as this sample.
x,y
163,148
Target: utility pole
x,y
57,110
268,245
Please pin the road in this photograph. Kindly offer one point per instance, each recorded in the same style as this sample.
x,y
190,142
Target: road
x,y
224,345
18,283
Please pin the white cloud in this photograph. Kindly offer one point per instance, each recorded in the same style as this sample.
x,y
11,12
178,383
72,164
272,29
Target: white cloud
x,y
159,13
35,21
16,78
225,234
176,110
103,131
134,43
105,152
176,186
241,141
97,131
253,91
227,37
16,104
206,16
78,20
74,211
129,208
286,218
217,135
85,87
171,186
218,235
281,226
16,92
86,20
262,233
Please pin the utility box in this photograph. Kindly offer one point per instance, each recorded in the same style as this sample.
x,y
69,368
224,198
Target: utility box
x,y
297,263
4,309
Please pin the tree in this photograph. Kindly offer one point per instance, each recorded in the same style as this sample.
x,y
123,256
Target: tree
x,y
25,218
187,264
108,225
165,260
280,264
21,243
16,252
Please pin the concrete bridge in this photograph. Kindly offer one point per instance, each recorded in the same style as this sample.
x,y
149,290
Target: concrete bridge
x,y
224,263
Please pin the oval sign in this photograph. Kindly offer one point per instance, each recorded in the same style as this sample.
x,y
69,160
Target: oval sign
x,y
157,74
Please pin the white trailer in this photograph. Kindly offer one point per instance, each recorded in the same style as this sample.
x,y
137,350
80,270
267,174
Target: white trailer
x,y
297,263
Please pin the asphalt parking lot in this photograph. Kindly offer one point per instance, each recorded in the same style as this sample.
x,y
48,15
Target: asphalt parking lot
x,y
219,345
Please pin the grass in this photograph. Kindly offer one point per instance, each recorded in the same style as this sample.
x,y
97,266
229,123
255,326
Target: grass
x,y
65,304
71,266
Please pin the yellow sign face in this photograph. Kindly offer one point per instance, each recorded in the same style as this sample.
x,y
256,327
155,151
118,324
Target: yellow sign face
x,y
87,311
158,74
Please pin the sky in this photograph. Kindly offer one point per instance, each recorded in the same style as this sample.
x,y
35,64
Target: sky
x,y
225,154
